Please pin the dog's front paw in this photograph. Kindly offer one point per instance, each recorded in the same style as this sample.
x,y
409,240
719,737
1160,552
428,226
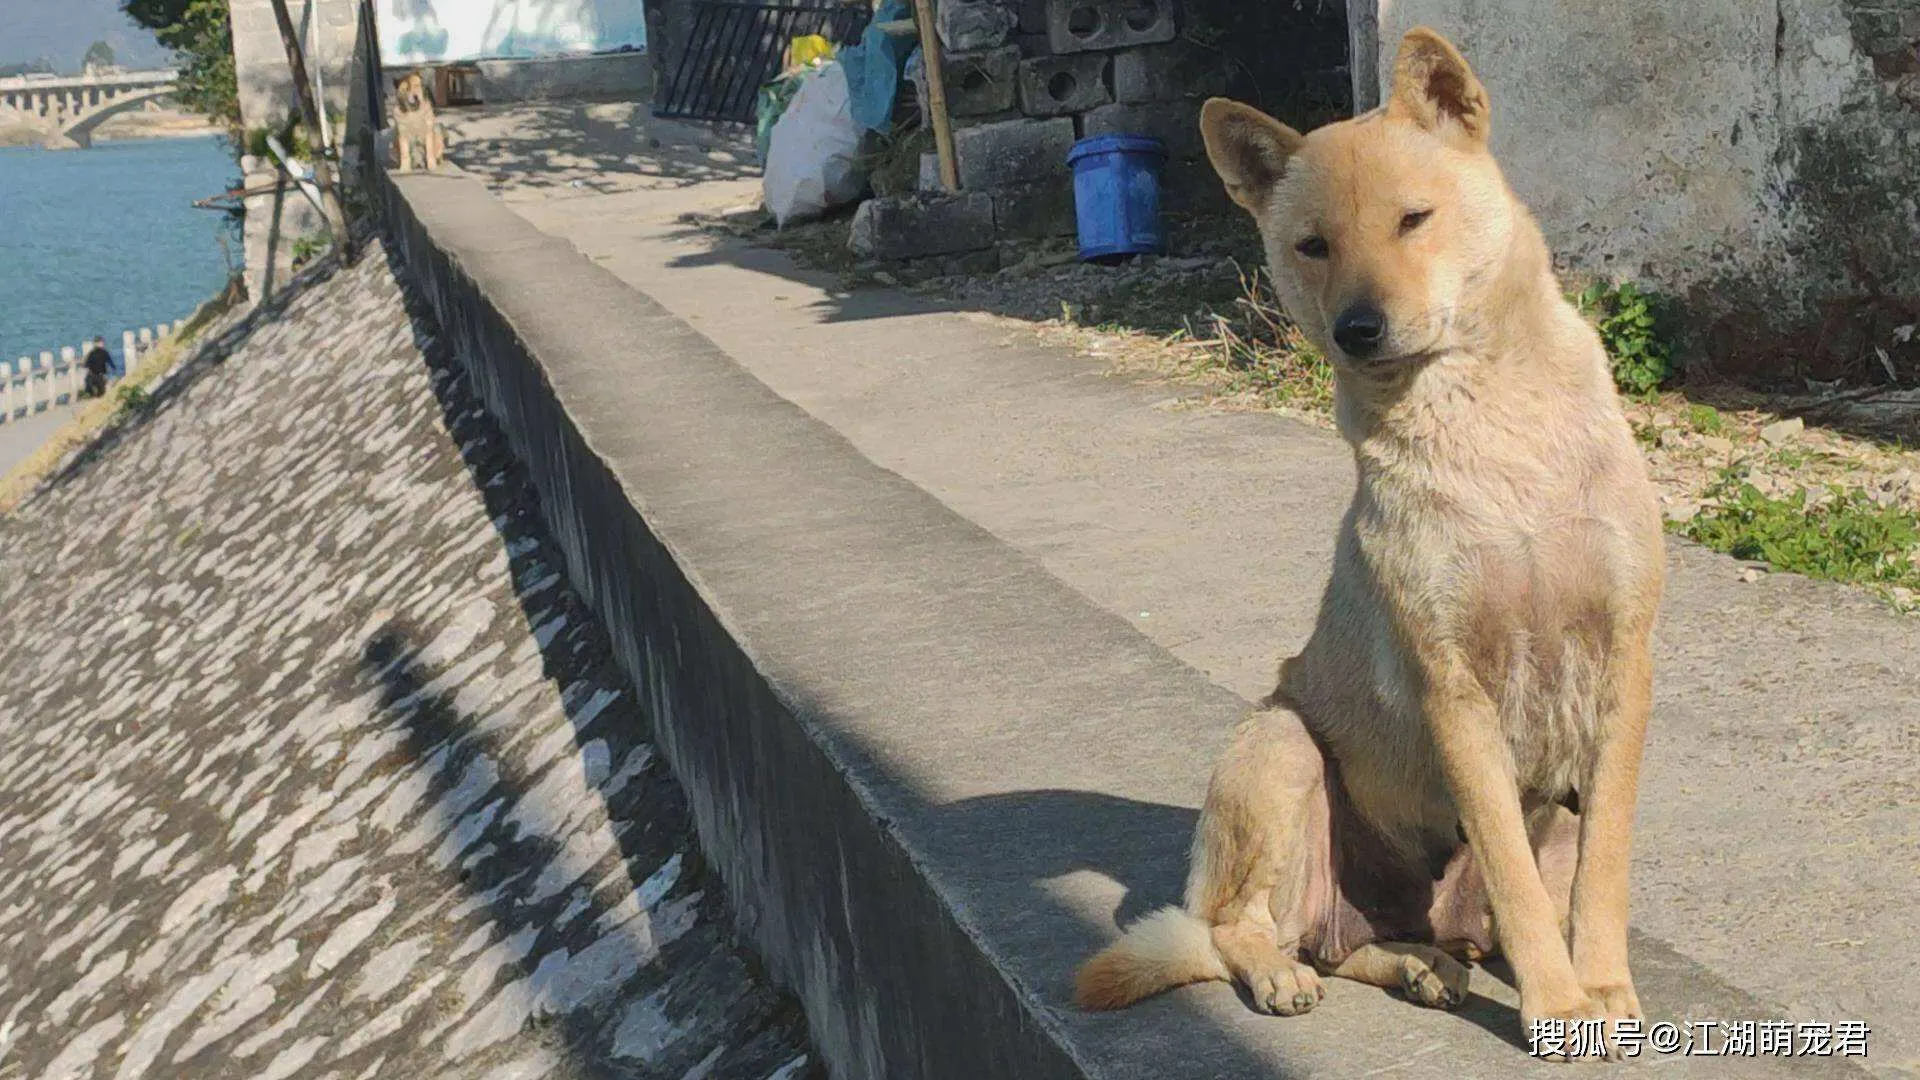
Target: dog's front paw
x,y
1575,1031
1286,991
1438,981
1615,1001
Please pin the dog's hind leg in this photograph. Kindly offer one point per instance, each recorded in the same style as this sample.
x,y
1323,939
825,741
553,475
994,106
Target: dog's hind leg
x,y
1261,869
1424,972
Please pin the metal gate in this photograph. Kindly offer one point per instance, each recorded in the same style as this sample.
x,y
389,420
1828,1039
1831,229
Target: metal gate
x,y
735,47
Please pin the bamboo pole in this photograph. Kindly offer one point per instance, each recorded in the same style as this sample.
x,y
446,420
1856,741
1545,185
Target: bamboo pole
x,y
936,94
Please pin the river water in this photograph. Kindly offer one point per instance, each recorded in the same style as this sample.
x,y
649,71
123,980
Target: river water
x,y
101,240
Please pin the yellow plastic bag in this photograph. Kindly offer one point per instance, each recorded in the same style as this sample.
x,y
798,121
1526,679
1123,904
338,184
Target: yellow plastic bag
x,y
806,49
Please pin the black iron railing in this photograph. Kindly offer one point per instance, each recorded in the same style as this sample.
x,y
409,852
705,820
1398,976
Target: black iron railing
x,y
734,48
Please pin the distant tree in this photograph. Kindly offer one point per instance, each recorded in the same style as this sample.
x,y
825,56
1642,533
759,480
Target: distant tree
x,y
99,55
201,35
42,66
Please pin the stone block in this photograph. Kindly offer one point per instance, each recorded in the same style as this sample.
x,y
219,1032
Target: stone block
x,y
1012,151
1035,211
1171,72
1086,25
1175,123
985,261
1033,17
919,225
1033,45
1061,85
982,83
972,25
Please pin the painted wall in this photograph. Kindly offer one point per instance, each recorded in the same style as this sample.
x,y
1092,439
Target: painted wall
x,y
438,31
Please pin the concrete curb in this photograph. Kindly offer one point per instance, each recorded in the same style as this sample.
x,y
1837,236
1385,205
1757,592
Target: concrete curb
x,y
813,633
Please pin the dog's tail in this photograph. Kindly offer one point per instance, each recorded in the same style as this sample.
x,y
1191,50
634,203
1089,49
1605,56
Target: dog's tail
x,y
1168,948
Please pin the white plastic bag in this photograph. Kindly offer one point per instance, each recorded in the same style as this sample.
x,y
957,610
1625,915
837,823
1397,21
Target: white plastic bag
x,y
813,159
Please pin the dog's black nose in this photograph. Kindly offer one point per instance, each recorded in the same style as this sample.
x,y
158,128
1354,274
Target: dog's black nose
x,y
1359,330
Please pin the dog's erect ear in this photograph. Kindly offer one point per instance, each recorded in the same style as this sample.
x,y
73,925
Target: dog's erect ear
x,y
1434,87
1248,148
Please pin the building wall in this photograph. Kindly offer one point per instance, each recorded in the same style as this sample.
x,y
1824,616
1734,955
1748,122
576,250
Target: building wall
x,y
1754,158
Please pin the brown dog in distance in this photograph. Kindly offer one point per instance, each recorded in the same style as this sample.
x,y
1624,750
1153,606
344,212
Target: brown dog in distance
x,y
414,123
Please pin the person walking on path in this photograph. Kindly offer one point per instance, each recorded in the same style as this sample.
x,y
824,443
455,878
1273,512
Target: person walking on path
x,y
99,362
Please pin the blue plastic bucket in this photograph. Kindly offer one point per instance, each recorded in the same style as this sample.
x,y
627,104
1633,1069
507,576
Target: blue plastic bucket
x,y
1116,195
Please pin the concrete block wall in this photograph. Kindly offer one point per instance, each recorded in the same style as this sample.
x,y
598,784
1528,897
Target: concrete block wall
x,y
1025,79
1755,160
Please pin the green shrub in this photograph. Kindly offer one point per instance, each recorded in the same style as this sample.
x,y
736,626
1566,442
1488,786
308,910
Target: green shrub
x,y
292,135
1635,328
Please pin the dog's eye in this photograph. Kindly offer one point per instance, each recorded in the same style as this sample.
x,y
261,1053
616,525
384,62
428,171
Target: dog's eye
x,y
1413,219
1313,247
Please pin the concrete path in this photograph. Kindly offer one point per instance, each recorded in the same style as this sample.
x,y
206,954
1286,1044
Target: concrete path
x,y
1779,834
22,435
312,765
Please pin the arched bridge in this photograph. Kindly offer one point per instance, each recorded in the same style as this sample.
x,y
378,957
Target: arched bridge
x,y
71,108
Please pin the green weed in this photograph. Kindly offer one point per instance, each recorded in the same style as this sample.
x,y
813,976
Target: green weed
x,y
1705,419
1634,326
305,248
1848,537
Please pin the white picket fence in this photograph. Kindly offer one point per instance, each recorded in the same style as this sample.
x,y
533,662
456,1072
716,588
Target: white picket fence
x,y
28,386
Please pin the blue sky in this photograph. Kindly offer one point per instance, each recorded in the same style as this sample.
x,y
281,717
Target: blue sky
x,y
62,29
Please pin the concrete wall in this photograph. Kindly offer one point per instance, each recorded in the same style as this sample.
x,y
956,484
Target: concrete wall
x,y
913,754
275,220
827,889
626,76
1755,158
260,60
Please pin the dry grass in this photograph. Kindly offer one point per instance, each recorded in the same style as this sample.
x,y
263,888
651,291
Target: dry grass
x,y
1247,355
1260,350
92,417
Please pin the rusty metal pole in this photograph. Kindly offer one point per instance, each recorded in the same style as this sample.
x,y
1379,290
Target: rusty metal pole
x,y
310,114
